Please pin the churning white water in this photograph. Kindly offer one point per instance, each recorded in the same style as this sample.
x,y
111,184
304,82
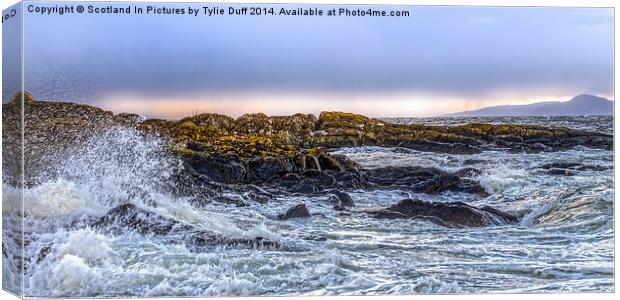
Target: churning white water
x,y
564,241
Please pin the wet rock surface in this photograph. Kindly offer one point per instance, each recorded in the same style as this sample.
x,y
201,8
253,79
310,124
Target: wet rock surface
x,y
425,180
297,211
454,214
129,216
570,169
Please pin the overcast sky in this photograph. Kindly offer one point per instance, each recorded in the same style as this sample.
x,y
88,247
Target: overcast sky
x,y
439,60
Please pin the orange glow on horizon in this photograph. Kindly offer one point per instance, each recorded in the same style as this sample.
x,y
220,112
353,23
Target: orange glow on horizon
x,y
388,105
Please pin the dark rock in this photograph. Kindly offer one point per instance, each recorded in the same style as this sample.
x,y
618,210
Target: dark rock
x,y
400,176
327,162
467,172
131,217
438,184
307,182
539,147
401,150
574,166
262,168
455,214
470,186
508,139
565,172
424,180
313,237
472,161
218,167
257,194
340,199
323,178
297,211
349,180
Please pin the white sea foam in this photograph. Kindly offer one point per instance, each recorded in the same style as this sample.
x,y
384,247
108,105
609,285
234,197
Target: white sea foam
x,y
361,255
87,244
72,276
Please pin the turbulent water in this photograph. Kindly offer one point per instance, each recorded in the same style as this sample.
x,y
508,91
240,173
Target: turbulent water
x,y
563,243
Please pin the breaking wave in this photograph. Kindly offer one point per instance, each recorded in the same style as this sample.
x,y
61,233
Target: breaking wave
x,y
563,240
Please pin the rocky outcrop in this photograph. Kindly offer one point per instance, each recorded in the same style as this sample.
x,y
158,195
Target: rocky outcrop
x,y
453,214
281,152
50,128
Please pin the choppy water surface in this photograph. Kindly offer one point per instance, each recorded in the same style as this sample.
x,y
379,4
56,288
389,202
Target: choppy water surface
x,y
564,242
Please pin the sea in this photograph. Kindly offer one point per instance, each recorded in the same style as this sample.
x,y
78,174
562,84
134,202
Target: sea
x,y
564,241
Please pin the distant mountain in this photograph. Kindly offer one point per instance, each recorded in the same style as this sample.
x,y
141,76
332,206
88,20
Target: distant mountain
x,y
580,105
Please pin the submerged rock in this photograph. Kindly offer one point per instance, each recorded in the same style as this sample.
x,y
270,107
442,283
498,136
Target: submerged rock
x,y
297,211
424,180
131,217
454,214
449,148
559,171
574,166
340,199
571,168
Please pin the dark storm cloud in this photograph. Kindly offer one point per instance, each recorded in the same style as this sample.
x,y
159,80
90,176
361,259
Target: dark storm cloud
x,y
460,51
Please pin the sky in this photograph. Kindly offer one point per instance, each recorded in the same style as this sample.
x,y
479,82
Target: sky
x,y
439,60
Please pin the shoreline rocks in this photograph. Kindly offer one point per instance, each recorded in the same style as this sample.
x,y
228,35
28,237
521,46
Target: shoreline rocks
x,y
259,156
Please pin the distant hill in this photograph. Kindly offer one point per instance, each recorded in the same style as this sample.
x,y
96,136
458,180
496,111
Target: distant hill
x,y
580,105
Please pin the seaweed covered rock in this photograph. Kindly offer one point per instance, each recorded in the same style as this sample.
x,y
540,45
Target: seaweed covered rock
x,y
214,121
296,129
339,129
453,214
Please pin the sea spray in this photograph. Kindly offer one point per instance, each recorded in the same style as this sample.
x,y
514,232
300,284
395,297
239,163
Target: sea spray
x,y
567,244
122,165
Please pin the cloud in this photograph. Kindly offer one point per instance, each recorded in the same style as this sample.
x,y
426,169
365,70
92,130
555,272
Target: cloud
x,y
447,52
